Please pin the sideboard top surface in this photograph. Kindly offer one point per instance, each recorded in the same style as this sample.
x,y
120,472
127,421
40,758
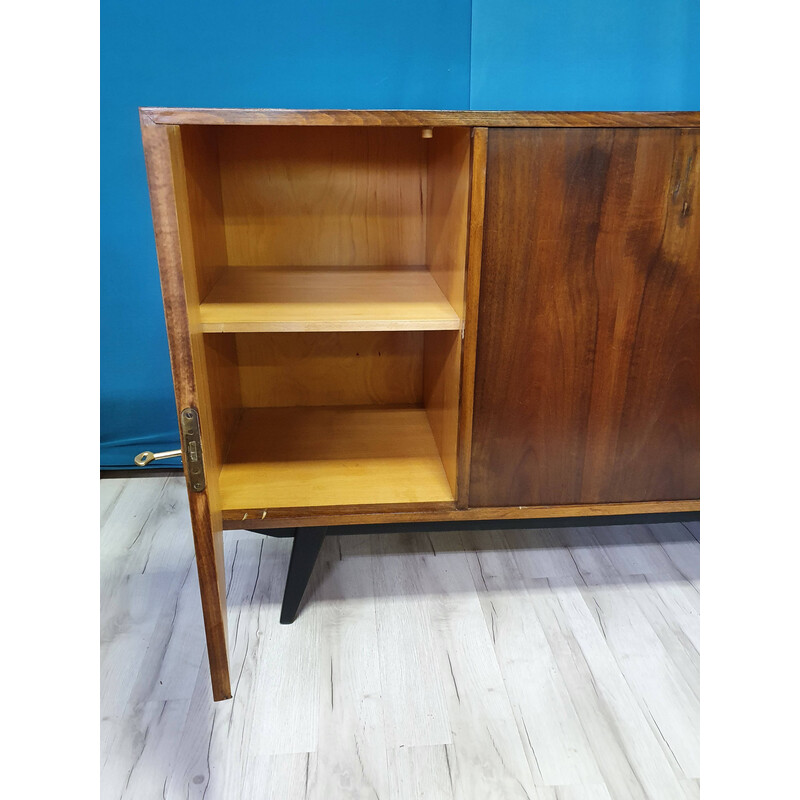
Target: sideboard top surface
x,y
512,119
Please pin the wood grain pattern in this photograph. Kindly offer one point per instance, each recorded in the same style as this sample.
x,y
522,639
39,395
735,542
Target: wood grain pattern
x,y
169,206
590,250
628,753
291,458
518,119
200,170
306,197
668,708
324,369
249,299
414,653
447,212
587,383
352,699
446,248
477,200
555,742
224,395
441,385
214,418
128,596
258,517
454,643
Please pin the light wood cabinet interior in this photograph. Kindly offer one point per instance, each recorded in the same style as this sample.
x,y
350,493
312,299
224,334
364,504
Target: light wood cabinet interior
x,y
329,267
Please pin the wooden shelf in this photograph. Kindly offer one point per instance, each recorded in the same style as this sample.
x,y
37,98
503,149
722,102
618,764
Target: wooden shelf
x,y
301,457
253,299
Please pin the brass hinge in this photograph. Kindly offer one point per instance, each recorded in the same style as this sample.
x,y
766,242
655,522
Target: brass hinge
x,y
193,449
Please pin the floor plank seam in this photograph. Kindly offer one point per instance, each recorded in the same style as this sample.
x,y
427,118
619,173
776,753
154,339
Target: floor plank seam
x,y
553,664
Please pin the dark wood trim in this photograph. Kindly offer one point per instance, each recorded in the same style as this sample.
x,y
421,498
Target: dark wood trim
x,y
234,520
158,159
477,200
206,526
515,119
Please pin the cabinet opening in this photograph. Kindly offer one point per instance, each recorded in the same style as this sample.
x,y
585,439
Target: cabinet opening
x,y
327,229
324,273
306,420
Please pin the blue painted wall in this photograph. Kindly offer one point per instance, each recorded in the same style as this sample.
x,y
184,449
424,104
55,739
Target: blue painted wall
x,y
311,54
484,54
586,55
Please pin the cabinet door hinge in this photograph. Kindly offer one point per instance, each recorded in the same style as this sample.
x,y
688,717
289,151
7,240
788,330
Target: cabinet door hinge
x,y
193,449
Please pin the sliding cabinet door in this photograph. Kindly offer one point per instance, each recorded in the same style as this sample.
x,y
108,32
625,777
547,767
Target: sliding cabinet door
x,y
587,372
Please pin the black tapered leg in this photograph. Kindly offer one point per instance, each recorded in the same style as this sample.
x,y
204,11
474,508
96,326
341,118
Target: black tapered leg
x,y
306,547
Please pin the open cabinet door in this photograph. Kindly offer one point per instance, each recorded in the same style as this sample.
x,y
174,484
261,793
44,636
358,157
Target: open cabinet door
x,y
587,371
182,253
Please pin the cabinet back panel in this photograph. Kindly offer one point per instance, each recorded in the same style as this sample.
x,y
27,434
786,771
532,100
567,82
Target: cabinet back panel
x,y
323,369
323,197
587,375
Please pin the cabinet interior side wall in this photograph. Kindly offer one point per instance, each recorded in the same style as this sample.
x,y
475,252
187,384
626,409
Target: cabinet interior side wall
x,y
204,197
446,254
204,227
446,223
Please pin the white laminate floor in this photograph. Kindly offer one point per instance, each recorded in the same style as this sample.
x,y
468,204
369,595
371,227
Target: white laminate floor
x,y
550,665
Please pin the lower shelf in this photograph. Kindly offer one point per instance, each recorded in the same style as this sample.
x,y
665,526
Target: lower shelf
x,y
305,457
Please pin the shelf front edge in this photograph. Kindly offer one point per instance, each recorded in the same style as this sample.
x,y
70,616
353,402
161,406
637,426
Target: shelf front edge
x,y
332,326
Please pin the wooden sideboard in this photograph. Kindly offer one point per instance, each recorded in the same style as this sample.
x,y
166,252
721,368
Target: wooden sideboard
x,y
419,316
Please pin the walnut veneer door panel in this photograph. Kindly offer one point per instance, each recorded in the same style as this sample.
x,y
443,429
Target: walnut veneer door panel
x,y
587,375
